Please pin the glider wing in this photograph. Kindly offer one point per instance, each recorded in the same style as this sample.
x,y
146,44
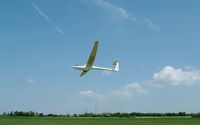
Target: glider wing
x,y
92,55
84,72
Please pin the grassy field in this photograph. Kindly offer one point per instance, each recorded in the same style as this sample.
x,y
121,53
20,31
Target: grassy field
x,y
97,121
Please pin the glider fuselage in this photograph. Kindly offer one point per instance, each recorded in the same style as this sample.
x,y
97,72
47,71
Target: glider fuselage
x,y
91,68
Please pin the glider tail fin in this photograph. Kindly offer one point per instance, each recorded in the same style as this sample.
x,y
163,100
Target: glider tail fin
x,y
116,66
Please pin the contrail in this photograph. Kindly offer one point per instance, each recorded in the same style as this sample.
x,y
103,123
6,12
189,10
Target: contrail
x,y
47,18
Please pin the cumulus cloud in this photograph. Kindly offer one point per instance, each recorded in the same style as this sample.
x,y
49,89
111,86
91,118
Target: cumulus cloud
x,y
166,77
30,80
126,91
129,90
47,18
89,94
171,77
120,13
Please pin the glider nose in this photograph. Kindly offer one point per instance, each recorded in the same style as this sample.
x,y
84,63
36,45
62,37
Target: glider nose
x,y
74,67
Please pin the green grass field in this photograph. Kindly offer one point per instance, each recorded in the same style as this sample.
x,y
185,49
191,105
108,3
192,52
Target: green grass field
x,y
97,121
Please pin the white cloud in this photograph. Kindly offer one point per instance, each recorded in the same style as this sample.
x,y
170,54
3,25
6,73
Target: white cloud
x,y
122,14
89,94
170,76
30,80
47,18
126,91
112,9
150,24
129,90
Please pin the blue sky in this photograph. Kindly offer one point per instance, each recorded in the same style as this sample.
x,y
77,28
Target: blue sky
x,y
156,42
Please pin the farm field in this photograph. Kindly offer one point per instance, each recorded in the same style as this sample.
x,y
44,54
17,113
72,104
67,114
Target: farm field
x,y
97,121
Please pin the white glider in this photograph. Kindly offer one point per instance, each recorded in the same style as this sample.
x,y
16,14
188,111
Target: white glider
x,y
89,66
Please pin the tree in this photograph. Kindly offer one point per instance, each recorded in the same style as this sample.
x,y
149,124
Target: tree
x,y
41,115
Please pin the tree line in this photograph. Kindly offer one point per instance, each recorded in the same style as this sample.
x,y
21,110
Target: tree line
x,y
108,114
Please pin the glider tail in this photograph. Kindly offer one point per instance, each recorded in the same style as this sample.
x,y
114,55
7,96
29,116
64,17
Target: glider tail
x,y
116,66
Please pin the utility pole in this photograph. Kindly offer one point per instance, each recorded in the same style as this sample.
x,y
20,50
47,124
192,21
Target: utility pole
x,y
95,110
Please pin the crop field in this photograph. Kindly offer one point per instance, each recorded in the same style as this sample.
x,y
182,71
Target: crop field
x,y
97,121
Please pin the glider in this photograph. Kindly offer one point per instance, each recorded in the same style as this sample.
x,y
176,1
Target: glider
x,y
89,66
